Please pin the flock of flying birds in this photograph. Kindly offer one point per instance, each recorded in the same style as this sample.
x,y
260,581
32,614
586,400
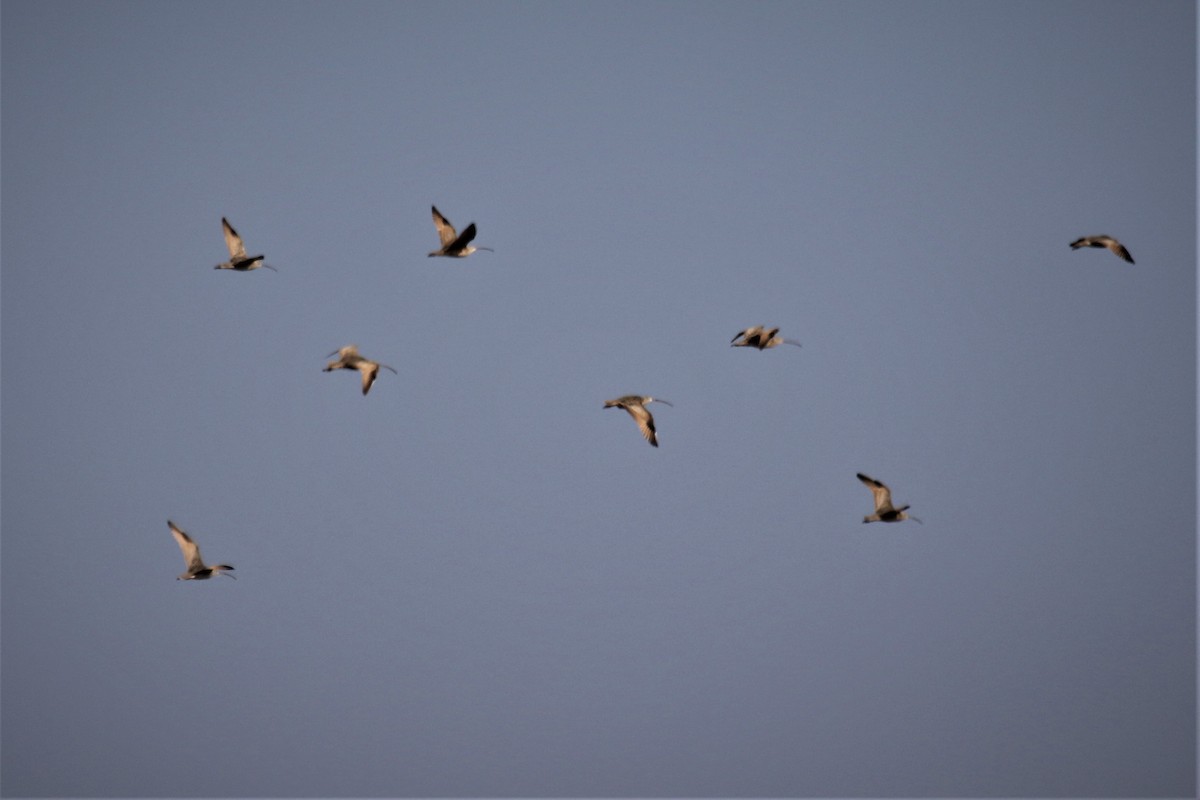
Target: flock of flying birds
x,y
458,245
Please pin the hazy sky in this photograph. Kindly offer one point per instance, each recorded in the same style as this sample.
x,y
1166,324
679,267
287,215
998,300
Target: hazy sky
x,y
475,580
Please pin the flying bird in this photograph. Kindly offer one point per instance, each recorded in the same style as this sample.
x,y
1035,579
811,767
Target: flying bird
x,y
454,244
884,511
348,358
197,570
238,259
760,337
1103,241
636,406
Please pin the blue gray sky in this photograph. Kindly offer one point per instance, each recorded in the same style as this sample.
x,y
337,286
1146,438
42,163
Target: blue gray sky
x,y
475,580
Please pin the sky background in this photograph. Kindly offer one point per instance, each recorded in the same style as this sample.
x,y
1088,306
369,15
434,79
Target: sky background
x,y
475,580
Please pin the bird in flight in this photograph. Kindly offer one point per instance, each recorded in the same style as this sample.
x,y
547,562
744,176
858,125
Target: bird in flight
x,y
884,511
197,570
636,406
760,337
348,358
238,259
454,244
1103,241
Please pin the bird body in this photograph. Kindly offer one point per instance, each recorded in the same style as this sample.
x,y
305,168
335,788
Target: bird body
x,y
348,358
1103,240
454,244
760,337
884,511
636,406
238,260
197,570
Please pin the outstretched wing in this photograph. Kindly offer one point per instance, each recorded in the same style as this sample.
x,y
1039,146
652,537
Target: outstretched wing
x,y
446,232
190,550
746,334
463,239
881,493
369,370
1118,248
237,250
645,422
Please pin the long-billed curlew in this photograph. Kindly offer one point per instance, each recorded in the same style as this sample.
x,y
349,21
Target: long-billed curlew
x,y
454,244
884,512
636,406
197,570
1103,241
760,337
348,358
238,259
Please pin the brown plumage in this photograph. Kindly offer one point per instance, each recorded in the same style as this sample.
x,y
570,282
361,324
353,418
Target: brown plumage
x,y
760,337
197,570
454,244
238,260
636,406
1103,241
884,511
348,358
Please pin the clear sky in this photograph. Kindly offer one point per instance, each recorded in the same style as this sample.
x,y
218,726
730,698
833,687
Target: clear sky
x,y
475,580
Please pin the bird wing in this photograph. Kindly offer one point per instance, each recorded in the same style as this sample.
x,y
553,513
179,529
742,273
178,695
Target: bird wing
x,y
369,370
747,334
445,230
1118,248
881,493
233,241
190,550
463,239
645,422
